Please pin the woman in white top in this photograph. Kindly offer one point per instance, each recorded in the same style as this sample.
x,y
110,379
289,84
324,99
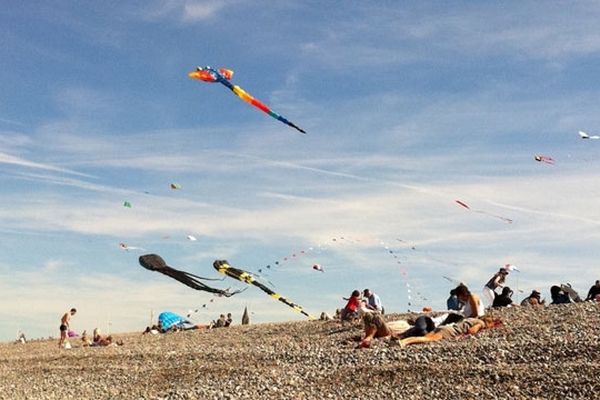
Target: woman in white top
x,y
473,306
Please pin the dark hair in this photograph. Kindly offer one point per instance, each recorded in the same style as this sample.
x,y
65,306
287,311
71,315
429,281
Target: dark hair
x,y
453,292
73,310
355,293
462,290
506,291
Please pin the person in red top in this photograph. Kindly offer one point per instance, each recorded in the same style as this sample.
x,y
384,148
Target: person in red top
x,y
350,311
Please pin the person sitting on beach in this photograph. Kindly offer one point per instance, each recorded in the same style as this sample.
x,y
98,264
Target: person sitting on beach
x,y
85,340
594,293
99,340
324,317
350,311
153,330
468,326
504,299
473,305
220,323
559,296
21,338
373,301
376,327
228,321
453,303
533,300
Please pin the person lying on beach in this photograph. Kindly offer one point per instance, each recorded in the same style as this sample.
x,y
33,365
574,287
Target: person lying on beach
x,y
376,327
468,326
155,330
99,340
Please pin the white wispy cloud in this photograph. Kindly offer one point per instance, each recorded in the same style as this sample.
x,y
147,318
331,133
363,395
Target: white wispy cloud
x,y
22,162
187,10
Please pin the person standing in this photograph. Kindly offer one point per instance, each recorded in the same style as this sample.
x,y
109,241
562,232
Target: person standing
x,y
496,281
373,301
64,326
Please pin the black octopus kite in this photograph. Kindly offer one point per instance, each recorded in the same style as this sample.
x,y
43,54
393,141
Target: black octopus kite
x,y
154,262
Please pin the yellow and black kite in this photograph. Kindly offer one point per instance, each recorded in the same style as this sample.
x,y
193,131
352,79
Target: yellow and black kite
x,y
223,267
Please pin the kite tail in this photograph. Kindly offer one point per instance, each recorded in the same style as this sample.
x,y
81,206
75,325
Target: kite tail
x,y
296,307
223,267
242,94
507,220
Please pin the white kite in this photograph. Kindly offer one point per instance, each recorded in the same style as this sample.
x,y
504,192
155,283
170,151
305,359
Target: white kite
x,y
191,238
584,135
125,247
510,267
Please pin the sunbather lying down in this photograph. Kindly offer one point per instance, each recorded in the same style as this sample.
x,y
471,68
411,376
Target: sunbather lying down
x,y
468,326
422,331
376,327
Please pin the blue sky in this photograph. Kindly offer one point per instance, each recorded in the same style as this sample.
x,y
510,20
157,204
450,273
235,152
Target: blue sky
x,y
408,107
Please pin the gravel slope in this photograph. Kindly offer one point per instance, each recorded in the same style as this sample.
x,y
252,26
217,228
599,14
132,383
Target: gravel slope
x,y
545,353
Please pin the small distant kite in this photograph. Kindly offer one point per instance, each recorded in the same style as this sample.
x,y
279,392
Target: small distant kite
x,y
511,267
463,204
544,159
318,267
223,76
154,262
175,186
127,204
191,238
243,276
584,135
125,247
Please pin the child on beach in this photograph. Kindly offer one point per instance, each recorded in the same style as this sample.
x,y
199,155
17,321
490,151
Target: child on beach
x,y
350,311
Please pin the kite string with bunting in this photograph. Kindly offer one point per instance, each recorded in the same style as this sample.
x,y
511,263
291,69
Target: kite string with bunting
x,y
340,240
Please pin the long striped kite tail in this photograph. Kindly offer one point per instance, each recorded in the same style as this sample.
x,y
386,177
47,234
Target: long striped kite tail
x,y
248,98
223,267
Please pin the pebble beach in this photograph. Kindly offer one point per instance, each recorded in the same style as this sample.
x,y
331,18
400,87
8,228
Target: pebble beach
x,y
546,353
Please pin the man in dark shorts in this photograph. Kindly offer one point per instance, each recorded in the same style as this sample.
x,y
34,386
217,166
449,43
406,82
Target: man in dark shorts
x,y
64,326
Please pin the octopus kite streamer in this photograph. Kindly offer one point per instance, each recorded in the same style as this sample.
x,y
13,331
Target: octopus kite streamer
x,y
244,276
154,262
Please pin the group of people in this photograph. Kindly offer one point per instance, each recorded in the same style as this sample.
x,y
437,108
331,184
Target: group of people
x,y
560,294
370,302
96,340
222,322
466,316
466,312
